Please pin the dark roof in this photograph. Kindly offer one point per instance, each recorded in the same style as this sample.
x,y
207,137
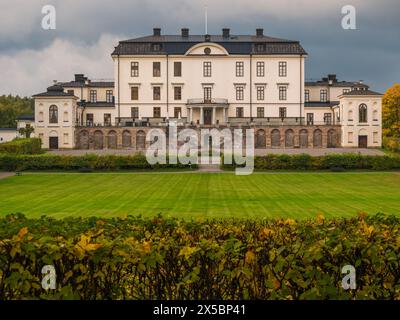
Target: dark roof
x,y
335,84
100,104
8,129
94,84
362,93
26,117
176,44
318,104
54,91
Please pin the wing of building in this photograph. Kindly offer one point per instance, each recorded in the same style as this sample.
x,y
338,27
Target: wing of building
x,y
200,81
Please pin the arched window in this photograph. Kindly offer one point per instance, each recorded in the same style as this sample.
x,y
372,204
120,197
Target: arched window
x,y
53,114
362,113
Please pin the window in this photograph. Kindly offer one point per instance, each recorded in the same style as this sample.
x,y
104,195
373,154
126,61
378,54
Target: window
x,y
134,69
346,90
177,93
307,95
72,92
310,119
156,93
375,137
93,96
89,119
260,112
239,69
283,69
239,112
156,69
239,93
282,112
350,115
53,114
177,112
260,69
350,137
207,69
156,47
207,94
328,118
109,96
282,93
107,119
260,47
362,113
156,112
135,112
260,93
65,138
323,95
177,69
134,93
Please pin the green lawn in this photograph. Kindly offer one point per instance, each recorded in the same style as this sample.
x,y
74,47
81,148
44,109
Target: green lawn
x,y
295,195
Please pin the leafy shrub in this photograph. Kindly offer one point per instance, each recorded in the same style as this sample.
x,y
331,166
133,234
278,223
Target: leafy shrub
x,y
326,162
391,144
11,162
22,146
137,258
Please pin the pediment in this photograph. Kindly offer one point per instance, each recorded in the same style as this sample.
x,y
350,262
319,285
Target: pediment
x,y
207,49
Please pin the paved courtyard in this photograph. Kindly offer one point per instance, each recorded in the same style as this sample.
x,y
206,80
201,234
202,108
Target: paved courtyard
x,y
258,152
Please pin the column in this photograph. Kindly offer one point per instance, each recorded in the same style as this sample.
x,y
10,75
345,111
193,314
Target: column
x,y
201,116
224,115
213,116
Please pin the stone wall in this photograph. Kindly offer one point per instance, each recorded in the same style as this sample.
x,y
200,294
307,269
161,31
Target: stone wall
x,y
265,137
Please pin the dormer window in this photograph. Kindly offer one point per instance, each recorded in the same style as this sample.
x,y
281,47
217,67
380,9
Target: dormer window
x,y
156,47
260,47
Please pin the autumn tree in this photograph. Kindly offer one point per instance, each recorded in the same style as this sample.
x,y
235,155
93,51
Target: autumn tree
x,y
391,112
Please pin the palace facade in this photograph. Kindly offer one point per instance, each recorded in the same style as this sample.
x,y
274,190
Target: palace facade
x,y
225,81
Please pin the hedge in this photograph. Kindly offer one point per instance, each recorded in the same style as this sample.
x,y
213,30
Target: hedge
x,y
22,146
326,162
86,162
137,258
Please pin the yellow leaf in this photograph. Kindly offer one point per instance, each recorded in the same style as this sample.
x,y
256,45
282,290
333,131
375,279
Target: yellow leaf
x,y
250,257
22,232
187,251
265,232
146,246
320,218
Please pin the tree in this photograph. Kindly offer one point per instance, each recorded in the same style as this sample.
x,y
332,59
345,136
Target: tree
x,y
26,131
11,107
391,112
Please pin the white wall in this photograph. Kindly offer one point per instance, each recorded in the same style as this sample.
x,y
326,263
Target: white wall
x,y
7,135
352,128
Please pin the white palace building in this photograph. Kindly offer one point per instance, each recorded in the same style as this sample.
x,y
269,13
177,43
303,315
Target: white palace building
x,y
196,81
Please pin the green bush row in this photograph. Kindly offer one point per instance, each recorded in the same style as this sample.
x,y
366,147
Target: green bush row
x,y
10,162
137,258
326,162
22,146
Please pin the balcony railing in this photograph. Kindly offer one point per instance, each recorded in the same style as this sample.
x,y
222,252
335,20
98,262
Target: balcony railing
x,y
213,101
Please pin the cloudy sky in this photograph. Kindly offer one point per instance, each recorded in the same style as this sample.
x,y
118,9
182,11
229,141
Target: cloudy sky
x,y
86,32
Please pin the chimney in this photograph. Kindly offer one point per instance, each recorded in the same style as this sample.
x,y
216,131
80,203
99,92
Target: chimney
x,y
157,32
79,77
185,32
259,32
55,81
225,33
332,77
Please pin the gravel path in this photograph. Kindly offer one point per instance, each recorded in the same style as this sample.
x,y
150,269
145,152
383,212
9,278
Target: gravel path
x,y
4,175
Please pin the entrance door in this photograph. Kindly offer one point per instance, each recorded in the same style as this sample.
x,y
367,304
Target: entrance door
x,y
53,142
362,141
207,116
